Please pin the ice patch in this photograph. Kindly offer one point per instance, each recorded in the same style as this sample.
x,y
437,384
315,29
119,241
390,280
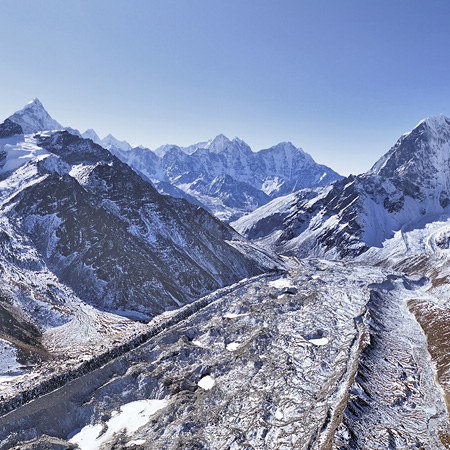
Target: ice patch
x,y
279,414
280,283
207,382
233,346
319,341
135,442
129,419
233,315
199,343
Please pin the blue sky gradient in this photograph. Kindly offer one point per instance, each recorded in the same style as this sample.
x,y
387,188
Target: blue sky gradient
x,y
341,79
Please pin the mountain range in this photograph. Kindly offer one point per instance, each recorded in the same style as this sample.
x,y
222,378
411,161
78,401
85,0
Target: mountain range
x,y
223,175
88,241
319,319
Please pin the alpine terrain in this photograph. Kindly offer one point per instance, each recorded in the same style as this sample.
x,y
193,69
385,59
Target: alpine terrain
x,y
223,175
132,318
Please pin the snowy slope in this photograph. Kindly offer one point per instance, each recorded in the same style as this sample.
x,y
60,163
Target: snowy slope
x,y
111,237
409,186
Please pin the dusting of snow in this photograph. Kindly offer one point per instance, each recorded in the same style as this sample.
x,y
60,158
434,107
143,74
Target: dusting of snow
x,y
8,362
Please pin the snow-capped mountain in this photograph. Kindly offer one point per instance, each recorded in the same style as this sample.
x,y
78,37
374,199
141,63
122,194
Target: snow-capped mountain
x,y
110,141
406,188
86,242
33,117
316,354
225,175
93,136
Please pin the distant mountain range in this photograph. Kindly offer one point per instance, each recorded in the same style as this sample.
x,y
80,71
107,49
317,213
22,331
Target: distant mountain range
x,y
223,175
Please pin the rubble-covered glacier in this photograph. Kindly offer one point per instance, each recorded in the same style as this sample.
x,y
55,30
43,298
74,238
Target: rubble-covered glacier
x,y
367,384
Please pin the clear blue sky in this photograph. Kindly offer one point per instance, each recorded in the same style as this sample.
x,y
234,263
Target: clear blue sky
x,y
341,79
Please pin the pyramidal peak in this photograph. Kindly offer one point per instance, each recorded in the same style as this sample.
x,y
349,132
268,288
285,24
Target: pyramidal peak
x,y
92,135
427,145
35,103
218,144
435,123
33,117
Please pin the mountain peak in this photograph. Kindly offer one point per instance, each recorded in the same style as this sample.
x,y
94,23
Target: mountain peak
x,y
288,149
287,145
33,117
218,144
92,135
428,143
435,123
110,141
35,103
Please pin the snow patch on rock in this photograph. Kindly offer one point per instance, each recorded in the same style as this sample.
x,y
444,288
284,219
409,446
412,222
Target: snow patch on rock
x,y
128,419
207,382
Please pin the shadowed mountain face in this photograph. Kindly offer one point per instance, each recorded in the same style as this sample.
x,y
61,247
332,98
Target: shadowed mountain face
x,y
114,239
8,128
408,187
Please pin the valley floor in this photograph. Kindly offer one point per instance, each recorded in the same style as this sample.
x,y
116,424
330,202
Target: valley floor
x,y
328,355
